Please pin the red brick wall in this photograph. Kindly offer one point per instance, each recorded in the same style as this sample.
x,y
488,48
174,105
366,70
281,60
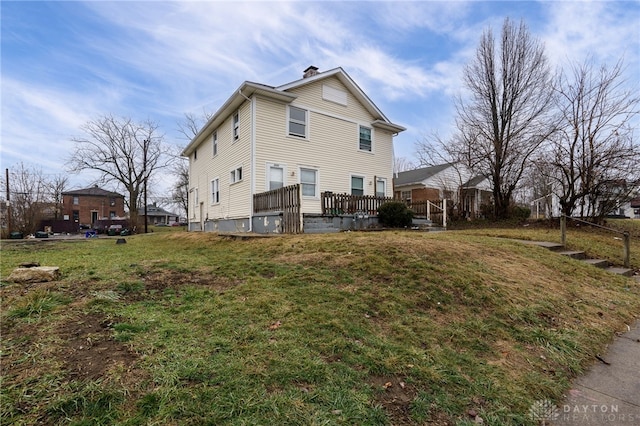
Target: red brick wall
x,y
87,204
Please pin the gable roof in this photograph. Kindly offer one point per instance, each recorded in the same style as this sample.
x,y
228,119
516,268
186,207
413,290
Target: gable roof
x,y
475,181
417,176
94,191
281,93
153,210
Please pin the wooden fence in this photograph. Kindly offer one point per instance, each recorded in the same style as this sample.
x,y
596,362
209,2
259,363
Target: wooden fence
x,y
286,200
337,204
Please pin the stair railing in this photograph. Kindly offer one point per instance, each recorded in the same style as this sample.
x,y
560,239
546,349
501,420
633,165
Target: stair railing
x,y
626,237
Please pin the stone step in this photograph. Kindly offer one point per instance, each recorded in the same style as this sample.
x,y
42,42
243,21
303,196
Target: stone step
x,y
621,271
599,263
573,254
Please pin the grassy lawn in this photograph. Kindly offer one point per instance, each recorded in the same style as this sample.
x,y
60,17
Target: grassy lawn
x,y
386,328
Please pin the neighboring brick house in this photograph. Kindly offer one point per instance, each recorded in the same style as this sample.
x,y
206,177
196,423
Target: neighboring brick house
x,y
86,206
449,181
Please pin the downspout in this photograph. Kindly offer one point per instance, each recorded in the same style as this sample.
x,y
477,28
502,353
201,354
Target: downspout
x,y
252,156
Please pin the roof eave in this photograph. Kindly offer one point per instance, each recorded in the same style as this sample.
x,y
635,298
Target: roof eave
x,y
394,128
245,91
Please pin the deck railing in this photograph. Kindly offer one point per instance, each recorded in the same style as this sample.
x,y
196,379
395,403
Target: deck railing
x,y
338,204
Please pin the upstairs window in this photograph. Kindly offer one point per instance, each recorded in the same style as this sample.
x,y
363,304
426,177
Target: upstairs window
x,y
76,200
236,126
365,139
357,185
297,122
236,175
214,142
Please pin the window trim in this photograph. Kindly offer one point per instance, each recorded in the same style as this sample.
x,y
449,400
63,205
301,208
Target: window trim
x,y
316,183
214,144
215,196
353,175
360,127
233,175
268,174
235,125
384,181
305,124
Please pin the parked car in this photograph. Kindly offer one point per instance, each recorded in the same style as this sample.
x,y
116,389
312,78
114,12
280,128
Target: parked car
x,y
114,230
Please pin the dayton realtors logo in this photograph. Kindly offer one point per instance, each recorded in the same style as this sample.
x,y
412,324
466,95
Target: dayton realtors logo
x,y
546,411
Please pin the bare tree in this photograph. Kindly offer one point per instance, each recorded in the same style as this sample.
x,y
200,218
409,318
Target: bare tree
x,y
402,164
123,152
507,113
28,196
594,158
55,187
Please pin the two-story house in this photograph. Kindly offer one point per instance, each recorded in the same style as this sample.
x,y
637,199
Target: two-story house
x,y
83,207
321,132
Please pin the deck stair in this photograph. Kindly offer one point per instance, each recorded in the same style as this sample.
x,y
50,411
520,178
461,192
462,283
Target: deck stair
x,y
582,256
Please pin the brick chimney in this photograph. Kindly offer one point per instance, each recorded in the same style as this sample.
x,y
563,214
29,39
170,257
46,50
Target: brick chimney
x,y
310,72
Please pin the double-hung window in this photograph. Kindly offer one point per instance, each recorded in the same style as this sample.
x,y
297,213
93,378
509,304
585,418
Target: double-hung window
x,y
357,185
214,142
365,139
215,191
236,126
297,122
309,182
381,187
236,175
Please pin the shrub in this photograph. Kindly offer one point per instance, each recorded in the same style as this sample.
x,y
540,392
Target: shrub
x,y
395,214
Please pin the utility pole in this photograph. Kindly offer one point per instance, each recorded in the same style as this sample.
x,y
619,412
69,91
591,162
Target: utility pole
x,y
8,205
144,155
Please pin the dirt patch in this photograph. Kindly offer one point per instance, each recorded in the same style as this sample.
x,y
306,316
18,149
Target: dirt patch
x,y
90,350
395,396
156,282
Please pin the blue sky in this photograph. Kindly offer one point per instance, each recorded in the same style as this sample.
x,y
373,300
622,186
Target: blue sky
x,y
65,63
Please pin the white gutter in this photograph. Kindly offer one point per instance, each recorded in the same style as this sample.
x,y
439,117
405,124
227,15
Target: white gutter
x,y
252,155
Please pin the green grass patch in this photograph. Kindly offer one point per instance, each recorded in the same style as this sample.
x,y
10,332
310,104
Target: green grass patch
x,y
355,328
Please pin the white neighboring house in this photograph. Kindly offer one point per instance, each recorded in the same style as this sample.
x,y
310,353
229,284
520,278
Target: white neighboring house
x,y
449,181
322,132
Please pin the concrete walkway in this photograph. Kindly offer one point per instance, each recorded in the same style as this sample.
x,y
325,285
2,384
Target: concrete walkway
x,y
609,393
